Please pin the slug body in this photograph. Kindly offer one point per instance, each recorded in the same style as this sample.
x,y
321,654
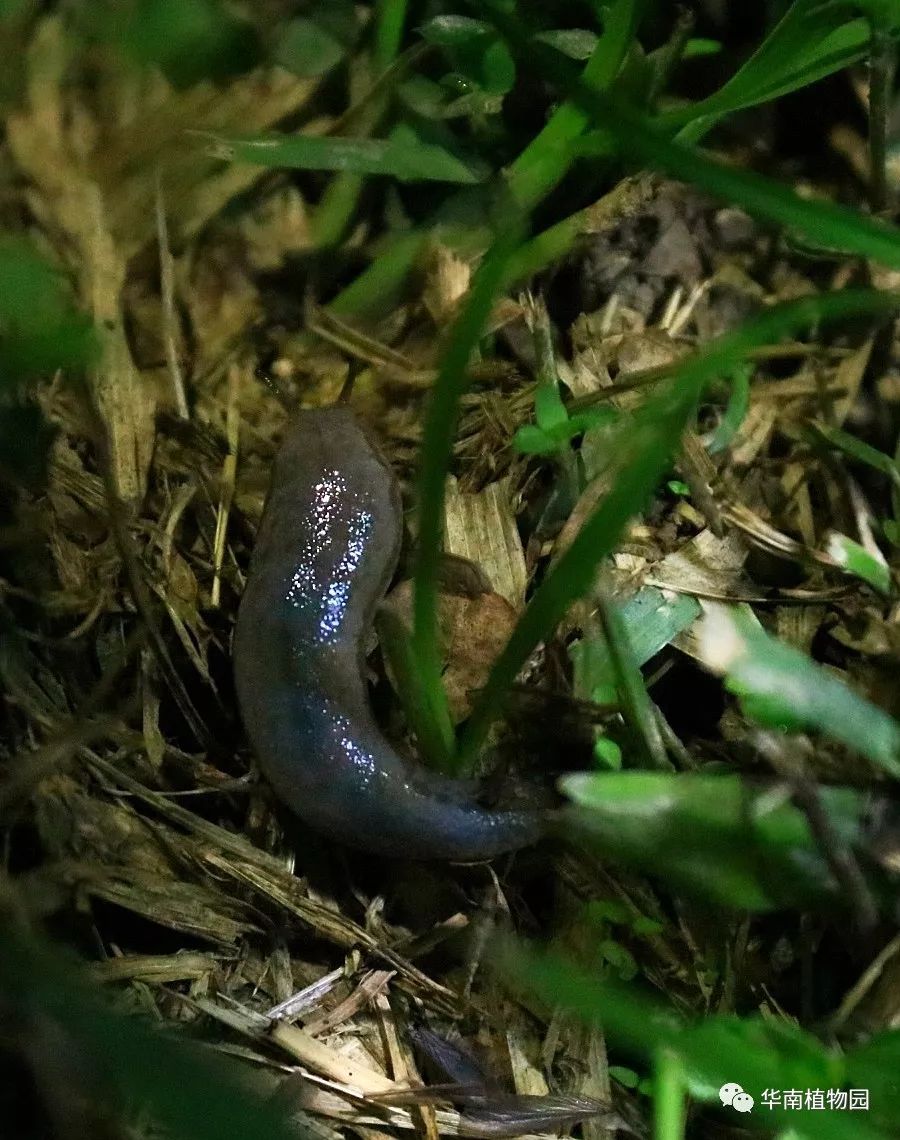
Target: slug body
x,y
325,553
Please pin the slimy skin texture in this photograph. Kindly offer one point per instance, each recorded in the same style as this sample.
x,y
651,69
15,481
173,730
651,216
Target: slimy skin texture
x,y
325,553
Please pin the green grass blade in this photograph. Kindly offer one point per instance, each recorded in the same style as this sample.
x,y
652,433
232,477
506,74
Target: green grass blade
x,y
635,702
408,161
644,446
437,446
857,449
544,161
390,18
428,719
813,39
668,1096
529,178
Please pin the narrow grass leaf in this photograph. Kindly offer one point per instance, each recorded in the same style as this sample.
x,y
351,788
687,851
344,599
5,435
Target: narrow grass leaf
x,y
550,154
437,445
405,160
856,449
428,719
813,39
644,446
735,412
635,703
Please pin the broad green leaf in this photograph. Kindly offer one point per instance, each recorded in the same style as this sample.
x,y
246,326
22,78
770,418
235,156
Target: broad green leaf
x,y
549,410
188,40
781,688
40,328
710,835
498,69
875,1066
861,563
531,439
576,43
651,618
475,51
307,47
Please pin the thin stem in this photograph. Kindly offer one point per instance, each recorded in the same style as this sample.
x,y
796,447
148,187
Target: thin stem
x,y
390,20
668,1097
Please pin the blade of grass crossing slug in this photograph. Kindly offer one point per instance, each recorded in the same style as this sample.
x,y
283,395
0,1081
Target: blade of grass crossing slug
x,y
433,731
436,450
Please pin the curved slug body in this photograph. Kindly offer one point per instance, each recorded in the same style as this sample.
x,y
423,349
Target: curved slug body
x,y
327,547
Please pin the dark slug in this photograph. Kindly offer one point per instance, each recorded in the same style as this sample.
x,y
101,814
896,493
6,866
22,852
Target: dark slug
x,y
326,550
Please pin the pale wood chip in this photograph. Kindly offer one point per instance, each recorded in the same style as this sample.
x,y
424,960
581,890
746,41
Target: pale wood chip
x,y
482,528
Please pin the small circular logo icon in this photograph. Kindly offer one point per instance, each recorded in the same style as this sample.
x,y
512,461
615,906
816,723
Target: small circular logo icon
x,y
742,1102
733,1095
728,1092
